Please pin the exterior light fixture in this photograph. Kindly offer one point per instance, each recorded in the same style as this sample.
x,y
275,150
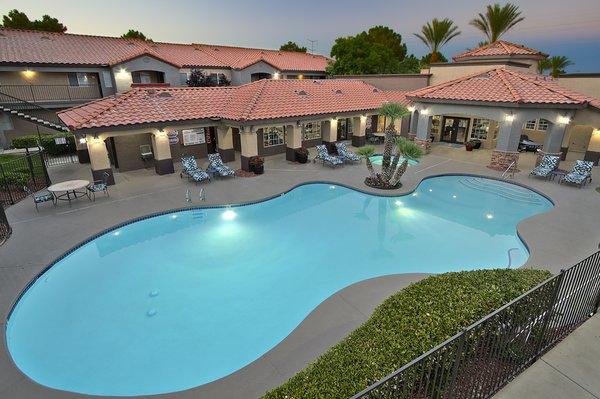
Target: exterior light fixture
x,y
411,108
82,140
300,77
563,119
596,132
509,117
276,75
425,111
122,74
28,73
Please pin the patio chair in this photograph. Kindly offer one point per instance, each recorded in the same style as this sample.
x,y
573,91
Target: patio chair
x,y
346,154
99,186
327,158
580,174
192,170
146,152
216,165
547,165
41,197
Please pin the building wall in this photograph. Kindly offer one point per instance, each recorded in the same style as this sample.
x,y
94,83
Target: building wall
x,y
445,72
242,76
122,72
128,151
397,82
583,83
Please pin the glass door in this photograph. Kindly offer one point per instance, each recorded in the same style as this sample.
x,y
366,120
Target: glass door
x,y
454,129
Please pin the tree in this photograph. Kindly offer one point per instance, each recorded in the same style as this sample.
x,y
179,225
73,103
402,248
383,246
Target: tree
x,y
394,163
135,34
199,79
292,46
556,65
435,34
16,19
429,58
379,50
497,20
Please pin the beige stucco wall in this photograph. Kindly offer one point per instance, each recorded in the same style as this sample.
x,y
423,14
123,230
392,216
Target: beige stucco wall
x,y
33,78
589,85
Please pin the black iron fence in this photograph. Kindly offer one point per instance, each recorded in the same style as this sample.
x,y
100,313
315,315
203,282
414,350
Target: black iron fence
x,y
50,93
480,360
5,229
25,170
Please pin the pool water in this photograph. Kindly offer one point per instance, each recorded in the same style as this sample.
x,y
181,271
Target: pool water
x,y
182,299
378,160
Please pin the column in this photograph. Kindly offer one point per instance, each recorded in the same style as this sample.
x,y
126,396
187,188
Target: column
x,y
414,123
249,144
329,133
423,129
163,163
225,142
99,160
82,150
553,141
293,138
593,151
509,134
359,124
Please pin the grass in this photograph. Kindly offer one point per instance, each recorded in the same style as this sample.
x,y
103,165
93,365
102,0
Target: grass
x,y
404,326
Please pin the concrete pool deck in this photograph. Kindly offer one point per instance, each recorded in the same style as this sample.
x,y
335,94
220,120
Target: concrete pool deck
x,y
556,239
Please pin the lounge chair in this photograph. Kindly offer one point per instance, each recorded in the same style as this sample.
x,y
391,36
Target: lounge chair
x,y
192,171
40,197
327,158
580,174
99,186
547,165
346,154
216,165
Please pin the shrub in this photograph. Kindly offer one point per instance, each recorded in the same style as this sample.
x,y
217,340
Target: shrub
x,y
403,327
47,142
16,179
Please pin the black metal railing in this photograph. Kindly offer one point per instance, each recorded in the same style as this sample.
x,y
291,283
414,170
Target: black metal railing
x,y
26,170
481,359
35,113
52,93
5,229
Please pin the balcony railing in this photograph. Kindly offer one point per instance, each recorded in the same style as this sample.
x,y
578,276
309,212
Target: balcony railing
x,y
52,93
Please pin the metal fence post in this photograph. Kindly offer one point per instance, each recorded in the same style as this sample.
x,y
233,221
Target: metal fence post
x,y
31,169
456,365
6,187
44,166
548,315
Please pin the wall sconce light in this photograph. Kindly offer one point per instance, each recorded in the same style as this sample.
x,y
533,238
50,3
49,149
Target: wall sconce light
x,y
563,119
28,73
276,75
82,140
411,108
122,74
596,132
509,117
425,111
300,77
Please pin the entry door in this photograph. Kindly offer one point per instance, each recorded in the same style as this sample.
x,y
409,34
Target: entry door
x,y
455,130
344,129
211,140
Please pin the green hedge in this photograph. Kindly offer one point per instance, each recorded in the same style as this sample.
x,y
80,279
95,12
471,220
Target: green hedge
x,y
403,327
46,141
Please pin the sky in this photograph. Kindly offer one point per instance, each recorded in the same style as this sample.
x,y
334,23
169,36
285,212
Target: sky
x,y
557,27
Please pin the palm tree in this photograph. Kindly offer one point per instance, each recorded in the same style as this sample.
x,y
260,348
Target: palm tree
x,y
497,20
367,152
391,172
437,33
556,65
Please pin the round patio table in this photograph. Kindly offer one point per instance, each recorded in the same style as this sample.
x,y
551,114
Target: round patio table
x,y
69,190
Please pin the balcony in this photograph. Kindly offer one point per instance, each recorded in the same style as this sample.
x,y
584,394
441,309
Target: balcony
x,y
50,95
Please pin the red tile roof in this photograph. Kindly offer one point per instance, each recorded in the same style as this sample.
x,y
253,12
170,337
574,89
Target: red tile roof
x,y
502,85
261,100
34,47
498,49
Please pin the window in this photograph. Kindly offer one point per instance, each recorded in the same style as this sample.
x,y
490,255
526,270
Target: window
x,y
530,125
107,78
480,128
273,136
542,124
80,79
311,131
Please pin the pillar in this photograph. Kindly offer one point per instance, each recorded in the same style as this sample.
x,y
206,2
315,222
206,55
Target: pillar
x,y
293,140
99,160
329,133
423,129
163,163
509,135
225,142
414,123
359,125
249,144
82,150
593,151
553,141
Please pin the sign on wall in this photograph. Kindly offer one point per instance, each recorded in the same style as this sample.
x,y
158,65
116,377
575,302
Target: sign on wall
x,y
173,136
193,136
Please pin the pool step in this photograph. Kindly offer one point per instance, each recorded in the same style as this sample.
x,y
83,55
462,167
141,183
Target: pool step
x,y
513,193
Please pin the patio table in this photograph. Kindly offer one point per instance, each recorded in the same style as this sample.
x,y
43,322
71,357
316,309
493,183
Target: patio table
x,y
69,190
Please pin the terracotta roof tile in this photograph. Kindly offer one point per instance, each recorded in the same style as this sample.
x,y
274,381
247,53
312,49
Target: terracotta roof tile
x,y
34,47
498,48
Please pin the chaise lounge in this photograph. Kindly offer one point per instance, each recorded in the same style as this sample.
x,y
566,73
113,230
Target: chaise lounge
x,y
216,165
327,158
580,174
192,171
346,154
547,165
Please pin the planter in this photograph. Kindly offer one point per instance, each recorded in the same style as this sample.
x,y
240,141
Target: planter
x,y
258,169
469,147
301,157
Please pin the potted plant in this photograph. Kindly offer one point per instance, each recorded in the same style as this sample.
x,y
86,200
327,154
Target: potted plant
x,y
257,165
301,155
476,143
469,146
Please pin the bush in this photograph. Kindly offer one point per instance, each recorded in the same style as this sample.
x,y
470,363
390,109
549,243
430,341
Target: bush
x,y
404,326
47,142
16,179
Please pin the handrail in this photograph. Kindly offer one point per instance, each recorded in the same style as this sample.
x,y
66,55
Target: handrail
x,y
18,104
507,169
52,92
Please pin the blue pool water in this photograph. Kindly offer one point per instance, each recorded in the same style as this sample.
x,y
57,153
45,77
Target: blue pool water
x,y
378,160
182,299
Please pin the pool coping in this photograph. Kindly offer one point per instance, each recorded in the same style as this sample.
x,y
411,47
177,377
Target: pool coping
x,y
385,194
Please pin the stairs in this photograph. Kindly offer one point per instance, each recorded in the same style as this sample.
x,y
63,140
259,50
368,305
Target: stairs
x,y
504,190
22,109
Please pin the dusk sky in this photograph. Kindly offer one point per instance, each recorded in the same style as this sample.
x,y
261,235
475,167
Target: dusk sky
x,y
557,27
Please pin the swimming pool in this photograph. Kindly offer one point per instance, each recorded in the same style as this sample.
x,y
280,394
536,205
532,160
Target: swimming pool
x,y
179,300
378,160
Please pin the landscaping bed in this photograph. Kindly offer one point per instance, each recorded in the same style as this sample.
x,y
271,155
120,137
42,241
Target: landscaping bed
x,y
404,326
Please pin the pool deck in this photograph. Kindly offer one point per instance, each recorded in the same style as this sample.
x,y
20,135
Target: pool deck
x,y
556,239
